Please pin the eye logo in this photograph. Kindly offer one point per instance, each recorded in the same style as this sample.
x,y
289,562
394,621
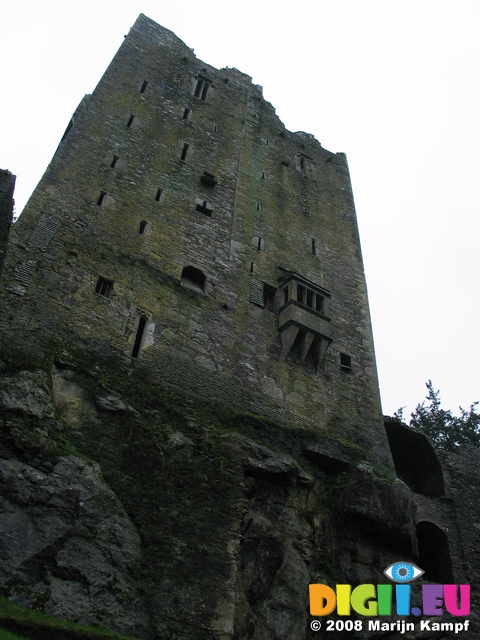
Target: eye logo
x,y
403,572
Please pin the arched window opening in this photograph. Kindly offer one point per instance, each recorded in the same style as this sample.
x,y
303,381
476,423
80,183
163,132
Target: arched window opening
x,y
139,337
193,278
433,553
415,459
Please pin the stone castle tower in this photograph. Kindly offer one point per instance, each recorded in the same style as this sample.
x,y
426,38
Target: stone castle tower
x,y
180,228
190,423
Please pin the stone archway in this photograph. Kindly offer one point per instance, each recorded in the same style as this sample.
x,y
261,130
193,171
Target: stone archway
x,y
415,460
434,553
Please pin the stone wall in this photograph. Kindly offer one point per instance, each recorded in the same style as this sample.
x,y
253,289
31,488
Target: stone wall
x,y
179,187
161,518
7,185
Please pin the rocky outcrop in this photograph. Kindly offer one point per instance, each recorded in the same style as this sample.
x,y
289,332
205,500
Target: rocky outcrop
x,y
27,393
67,542
167,518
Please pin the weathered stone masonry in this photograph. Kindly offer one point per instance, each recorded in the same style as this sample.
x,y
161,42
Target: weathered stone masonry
x,y
186,261
7,184
181,223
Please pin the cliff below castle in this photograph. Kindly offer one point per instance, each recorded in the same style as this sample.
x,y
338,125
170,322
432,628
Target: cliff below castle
x,y
157,516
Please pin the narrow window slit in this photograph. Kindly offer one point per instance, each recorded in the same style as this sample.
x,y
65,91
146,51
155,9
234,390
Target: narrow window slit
x,y
300,294
158,195
184,152
114,162
310,296
319,303
138,338
142,227
314,247
186,113
144,86
101,198
130,121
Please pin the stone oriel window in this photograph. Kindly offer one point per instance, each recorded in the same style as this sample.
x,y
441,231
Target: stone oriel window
x,y
310,298
301,291
303,322
104,287
319,303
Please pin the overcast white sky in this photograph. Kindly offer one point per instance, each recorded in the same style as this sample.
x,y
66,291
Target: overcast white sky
x,y
394,84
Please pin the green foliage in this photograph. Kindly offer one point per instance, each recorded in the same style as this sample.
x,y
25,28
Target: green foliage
x,y
6,635
23,623
444,429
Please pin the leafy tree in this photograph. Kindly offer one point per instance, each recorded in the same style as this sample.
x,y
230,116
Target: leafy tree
x,y
444,429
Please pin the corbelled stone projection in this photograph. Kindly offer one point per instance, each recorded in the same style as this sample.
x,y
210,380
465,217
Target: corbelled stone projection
x,y
191,429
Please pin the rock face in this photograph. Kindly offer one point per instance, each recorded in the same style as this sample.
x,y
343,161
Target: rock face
x,y
67,542
181,520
